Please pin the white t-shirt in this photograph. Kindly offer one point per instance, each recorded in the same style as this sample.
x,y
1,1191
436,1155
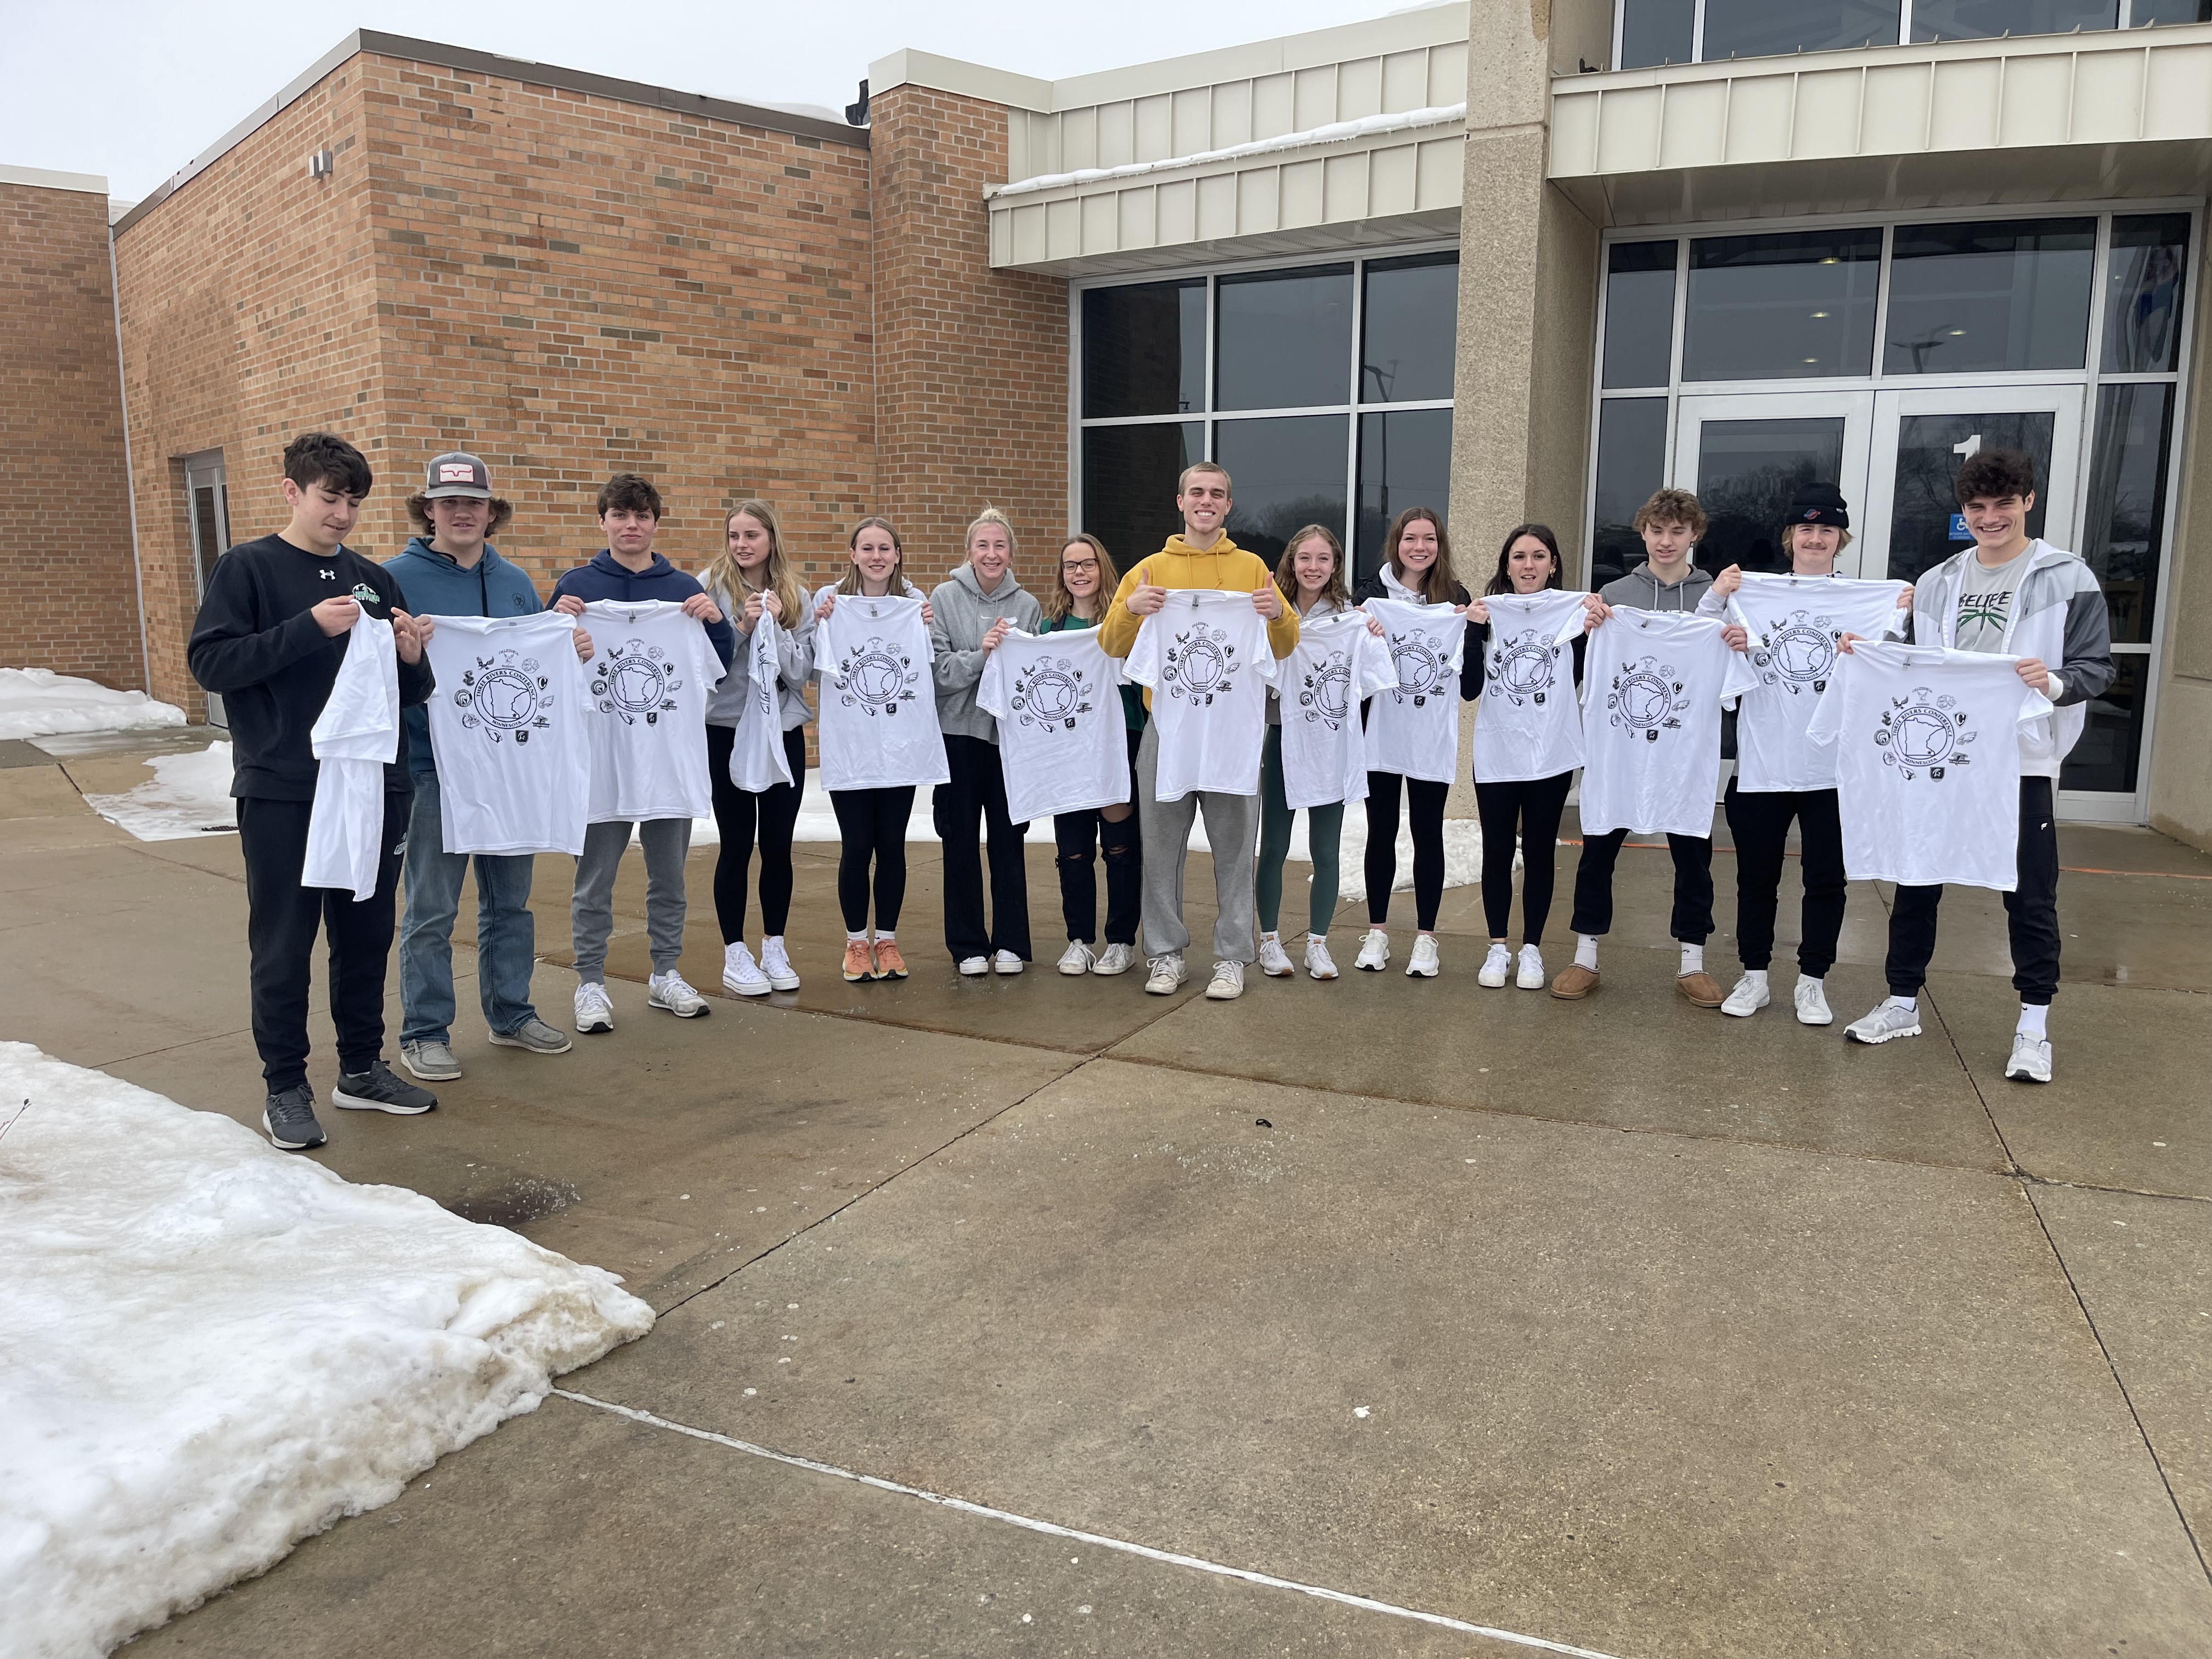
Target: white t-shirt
x,y
508,727
878,726
1204,655
1058,703
1412,724
1338,665
355,737
651,676
1653,684
756,758
1528,724
1928,763
1795,623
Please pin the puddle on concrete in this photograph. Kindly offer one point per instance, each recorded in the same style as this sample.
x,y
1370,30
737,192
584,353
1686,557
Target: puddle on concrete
x,y
516,1203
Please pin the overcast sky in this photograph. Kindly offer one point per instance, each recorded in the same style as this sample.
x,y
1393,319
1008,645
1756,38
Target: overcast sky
x,y
134,90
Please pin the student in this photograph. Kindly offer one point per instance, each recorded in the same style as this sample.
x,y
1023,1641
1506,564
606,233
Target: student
x,y
1203,556
1511,804
972,611
628,570
1670,523
269,640
2012,595
872,823
749,579
1416,568
1086,576
451,569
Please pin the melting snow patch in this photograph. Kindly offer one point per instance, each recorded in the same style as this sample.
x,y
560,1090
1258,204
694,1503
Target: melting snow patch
x,y
209,1350
36,703
188,795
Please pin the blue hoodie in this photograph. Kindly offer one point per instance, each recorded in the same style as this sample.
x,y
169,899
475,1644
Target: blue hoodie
x,y
431,584
602,578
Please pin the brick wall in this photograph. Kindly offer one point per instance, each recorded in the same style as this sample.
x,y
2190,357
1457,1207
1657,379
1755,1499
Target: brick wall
x,y
67,588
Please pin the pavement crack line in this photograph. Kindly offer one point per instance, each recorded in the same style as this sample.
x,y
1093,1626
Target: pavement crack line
x,y
1099,1541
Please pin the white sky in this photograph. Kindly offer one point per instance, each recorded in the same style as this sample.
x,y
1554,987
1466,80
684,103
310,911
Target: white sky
x,y
134,90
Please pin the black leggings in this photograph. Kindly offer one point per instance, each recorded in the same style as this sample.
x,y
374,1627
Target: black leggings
x,y
736,813
1530,811
1425,806
872,823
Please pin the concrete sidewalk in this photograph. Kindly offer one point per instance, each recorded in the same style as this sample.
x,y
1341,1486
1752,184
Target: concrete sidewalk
x,y
1618,1324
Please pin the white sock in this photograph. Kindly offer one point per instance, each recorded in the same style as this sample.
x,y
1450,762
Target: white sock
x,y
1586,952
1756,976
1820,985
1693,959
2032,1016
851,938
887,936
1272,935
1910,1005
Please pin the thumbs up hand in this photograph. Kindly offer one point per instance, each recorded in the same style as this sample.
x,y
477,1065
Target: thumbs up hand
x,y
1145,599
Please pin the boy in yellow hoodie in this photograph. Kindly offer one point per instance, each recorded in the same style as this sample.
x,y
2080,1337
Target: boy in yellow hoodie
x,y
1201,557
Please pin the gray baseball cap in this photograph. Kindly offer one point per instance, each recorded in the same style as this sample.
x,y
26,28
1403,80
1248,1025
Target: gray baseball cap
x,y
458,474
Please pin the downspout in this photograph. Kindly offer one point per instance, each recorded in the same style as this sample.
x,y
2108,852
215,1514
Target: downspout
x,y
129,473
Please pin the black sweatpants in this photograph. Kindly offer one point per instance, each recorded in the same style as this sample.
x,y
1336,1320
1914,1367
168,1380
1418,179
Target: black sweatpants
x,y
741,816
1759,820
2031,911
1529,812
1692,921
281,918
972,804
1425,807
871,827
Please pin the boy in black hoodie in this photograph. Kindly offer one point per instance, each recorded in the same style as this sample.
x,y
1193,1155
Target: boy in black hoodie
x,y
270,634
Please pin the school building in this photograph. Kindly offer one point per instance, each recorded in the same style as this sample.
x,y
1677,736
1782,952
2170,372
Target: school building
x,y
1518,260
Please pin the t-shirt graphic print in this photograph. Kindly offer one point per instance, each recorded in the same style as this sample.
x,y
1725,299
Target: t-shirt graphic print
x,y
508,728
1928,763
879,722
1528,724
1061,736
1653,684
646,695
1338,665
1205,657
1795,623
1412,724
756,758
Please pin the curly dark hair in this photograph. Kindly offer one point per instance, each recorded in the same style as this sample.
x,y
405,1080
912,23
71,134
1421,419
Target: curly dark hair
x,y
628,492
1995,474
326,458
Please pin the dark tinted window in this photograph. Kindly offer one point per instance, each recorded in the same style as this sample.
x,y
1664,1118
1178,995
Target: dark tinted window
x,y
1980,20
1775,307
1631,463
2112,734
1144,350
1404,460
1285,340
1764,28
1924,526
1129,476
1974,298
2143,292
1639,313
1749,472
1655,32
2148,12
1285,473
2127,501
1411,321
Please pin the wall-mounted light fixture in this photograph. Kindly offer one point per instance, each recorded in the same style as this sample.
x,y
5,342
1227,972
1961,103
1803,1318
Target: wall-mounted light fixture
x,y
321,164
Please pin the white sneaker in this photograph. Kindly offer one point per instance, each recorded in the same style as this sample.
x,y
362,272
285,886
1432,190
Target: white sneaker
x,y
1887,1021
775,963
1274,960
972,966
1495,966
1424,959
1374,952
1117,959
593,1011
2031,1059
1319,965
1228,981
1006,962
1812,999
669,991
1749,996
1167,974
1531,977
1077,958
740,975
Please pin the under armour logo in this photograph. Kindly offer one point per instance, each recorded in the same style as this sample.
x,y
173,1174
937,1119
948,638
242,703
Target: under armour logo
x,y
328,576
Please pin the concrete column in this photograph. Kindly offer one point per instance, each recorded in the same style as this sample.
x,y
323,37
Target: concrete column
x,y
2180,754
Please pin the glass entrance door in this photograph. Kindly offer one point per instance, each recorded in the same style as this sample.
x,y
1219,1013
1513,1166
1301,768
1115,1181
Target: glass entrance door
x,y
207,504
1921,441
1746,457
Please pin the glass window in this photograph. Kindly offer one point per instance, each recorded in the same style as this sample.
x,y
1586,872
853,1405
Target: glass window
x,y
2112,733
1969,299
1655,32
1404,460
1639,313
1766,29
1631,463
2126,531
1411,321
1284,474
1984,20
1144,350
1284,339
1775,307
2148,12
2143,292
1749,472
1129,476
1925,528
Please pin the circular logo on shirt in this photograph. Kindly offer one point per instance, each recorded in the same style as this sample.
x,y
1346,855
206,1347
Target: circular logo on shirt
x,y
632,681
875,677
1646,699
1801,652
1325,694
1922,733
1201,664
502,694
1523,666
1421,668
1050,692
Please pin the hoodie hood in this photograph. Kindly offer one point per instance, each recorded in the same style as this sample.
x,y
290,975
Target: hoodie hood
x,y
606,564
1392,588
1178,548
1642,590
1000,596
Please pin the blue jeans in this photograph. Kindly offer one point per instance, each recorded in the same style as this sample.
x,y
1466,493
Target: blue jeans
x,y
506,933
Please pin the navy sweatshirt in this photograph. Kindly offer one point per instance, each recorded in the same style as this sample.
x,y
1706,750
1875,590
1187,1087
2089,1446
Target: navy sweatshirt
x,y
604,578
254,645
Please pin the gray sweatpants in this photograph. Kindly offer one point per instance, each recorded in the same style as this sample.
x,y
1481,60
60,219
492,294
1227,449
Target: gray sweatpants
x,y
1232,823
590,912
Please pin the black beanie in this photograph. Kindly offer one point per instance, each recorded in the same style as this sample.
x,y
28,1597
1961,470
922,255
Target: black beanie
x,y
1820,503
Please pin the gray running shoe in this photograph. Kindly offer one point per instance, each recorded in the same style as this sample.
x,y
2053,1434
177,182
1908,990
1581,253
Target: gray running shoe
x,y
533,1034
377,1090
431,1062
290,1118
1887,1021
2031,1059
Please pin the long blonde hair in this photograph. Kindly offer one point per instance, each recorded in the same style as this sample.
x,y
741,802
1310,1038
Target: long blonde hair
x,y
1286,576
1059,603
723,571
850,581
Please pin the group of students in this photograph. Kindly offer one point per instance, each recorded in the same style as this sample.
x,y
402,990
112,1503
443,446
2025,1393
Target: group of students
x,y
281,613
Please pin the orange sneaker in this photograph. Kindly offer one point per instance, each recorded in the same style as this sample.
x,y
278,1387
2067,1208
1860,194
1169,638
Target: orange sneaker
x,y
859,965
890,964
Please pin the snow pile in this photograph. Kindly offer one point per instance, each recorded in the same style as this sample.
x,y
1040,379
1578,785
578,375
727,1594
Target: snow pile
x,y
209,1349
37,701
188,795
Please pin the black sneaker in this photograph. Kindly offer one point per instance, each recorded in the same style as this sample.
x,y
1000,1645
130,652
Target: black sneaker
x,y
377,1090
290,1117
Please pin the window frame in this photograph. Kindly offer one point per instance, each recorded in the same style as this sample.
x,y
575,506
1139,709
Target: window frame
x,y
2126,22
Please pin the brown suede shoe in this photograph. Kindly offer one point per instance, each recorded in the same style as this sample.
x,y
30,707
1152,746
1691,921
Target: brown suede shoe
x,y
1701,989
1576,983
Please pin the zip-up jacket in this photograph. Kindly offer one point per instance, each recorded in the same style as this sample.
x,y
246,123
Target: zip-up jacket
x,y
603,578
1384,585
794,656
961,613
431,584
